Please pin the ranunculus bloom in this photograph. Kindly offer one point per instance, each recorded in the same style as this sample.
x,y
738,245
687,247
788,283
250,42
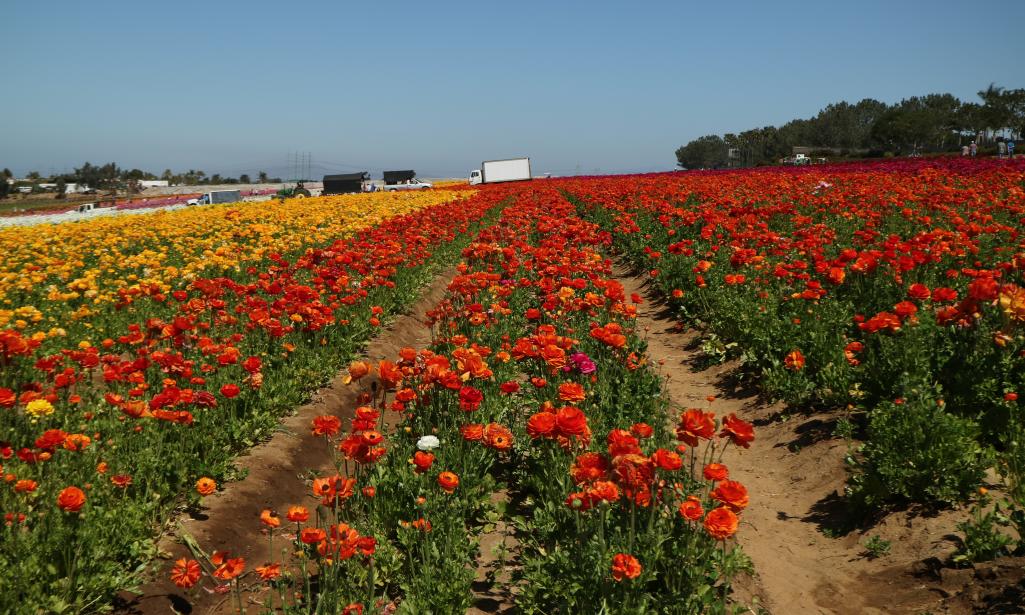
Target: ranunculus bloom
x,y
326,425
71,499
206,486
448,481
625,566
428,443
297,514
721,523
691,509
666,460
716,472
732,494
472,432
739,432
695,424
422,461
541,425
230,390
186,573
570,421
269,518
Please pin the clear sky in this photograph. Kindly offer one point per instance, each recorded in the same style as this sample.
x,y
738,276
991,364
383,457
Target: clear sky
x,y
234,87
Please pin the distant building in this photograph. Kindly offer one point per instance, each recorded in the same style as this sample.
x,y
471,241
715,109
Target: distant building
x,y
153,183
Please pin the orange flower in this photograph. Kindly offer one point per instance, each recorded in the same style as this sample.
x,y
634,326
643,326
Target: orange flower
x,y
206,486
71,499
472,432
691,509
721,523
326,425
732,494
448,481
121,480
498,437
25,485
186,573
740,432
571,392
570,421
695,424
541,425
227,568
422,461
269,572
625,567
312,535
357,370
297,514
77,442
589,467
270,518
716,472
666,460
794,360
390,374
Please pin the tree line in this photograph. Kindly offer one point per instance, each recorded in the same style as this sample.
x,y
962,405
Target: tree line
x,y
111,177
870,128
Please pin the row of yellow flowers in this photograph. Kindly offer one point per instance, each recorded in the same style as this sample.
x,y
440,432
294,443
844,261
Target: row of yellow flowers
x,y
55,274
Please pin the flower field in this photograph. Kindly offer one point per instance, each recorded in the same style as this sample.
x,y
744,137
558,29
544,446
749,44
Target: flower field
x,y
896,291
205,327
138,356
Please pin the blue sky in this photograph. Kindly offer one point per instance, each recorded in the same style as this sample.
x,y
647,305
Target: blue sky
x,y
236,87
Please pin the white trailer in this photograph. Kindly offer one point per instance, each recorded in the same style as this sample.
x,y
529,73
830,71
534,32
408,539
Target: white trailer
x,y
494,171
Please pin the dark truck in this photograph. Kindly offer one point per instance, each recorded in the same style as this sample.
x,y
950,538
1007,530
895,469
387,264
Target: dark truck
x,y
346,183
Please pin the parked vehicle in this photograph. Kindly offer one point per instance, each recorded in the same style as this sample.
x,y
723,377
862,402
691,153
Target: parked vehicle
x,y
346,183
217,196
404,180
494,171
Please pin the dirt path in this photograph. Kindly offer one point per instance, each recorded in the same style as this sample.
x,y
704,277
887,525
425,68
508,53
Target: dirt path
x,y
795,472
275,470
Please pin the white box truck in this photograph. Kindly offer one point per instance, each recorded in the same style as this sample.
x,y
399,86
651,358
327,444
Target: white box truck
x,y
494,171
217,196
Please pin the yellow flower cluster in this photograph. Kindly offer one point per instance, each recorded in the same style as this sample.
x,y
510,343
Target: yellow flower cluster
x,y
51,275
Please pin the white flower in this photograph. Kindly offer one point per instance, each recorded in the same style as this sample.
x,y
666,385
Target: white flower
x,y
427,443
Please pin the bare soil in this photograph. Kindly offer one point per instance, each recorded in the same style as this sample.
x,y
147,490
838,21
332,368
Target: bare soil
x,y
275,473
795,472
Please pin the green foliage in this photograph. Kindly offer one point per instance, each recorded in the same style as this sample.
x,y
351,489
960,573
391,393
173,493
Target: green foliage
x,y
917,451
704,152
877,547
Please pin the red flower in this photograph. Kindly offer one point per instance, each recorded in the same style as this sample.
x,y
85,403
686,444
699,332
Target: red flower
x,y
326,425
691,509
186,573
695,424
625,567
230,390
721,523
422,461
541,425
71,499
738,431
448,481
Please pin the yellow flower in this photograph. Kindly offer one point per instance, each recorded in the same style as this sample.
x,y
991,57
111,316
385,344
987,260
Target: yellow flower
x,y
1012,301
39,407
